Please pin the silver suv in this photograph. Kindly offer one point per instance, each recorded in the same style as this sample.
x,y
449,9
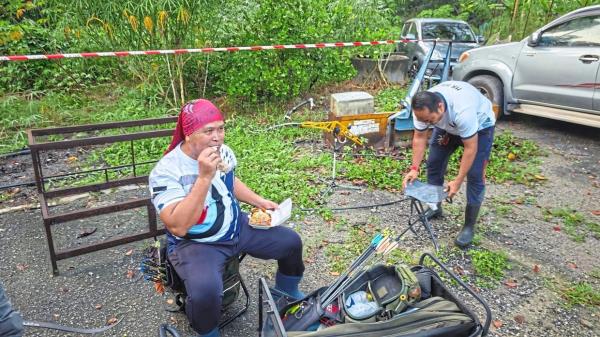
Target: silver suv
x,y
554,73
422,32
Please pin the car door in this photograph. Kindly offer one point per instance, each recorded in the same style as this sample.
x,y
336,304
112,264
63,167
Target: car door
x,y
409,32
561,69
401,46
596,104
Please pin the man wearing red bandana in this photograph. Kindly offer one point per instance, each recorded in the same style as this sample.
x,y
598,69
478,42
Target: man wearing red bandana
x,y
197,195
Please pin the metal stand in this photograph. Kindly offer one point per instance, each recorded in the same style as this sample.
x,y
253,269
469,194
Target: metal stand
x,y
417,216
337,145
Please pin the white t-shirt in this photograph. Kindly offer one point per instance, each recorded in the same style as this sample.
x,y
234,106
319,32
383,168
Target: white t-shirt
x,y
173,177
467,110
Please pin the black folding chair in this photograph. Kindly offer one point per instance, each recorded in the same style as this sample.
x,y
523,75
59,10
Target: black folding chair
x,y
232,281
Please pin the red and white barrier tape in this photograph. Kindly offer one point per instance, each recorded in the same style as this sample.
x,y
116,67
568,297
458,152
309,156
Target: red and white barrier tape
x,y
190,51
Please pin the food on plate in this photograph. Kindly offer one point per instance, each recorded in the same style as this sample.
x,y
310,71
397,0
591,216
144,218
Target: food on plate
x,y
260,217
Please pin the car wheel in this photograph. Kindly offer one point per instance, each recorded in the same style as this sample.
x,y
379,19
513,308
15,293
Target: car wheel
x,y
413,69
491,87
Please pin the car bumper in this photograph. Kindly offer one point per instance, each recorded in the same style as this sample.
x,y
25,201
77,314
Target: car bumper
x,y
459,72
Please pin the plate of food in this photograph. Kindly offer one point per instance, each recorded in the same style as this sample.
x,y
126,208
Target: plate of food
x,y
265,219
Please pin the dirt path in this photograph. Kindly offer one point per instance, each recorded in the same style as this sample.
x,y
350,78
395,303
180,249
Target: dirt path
x,y
94,288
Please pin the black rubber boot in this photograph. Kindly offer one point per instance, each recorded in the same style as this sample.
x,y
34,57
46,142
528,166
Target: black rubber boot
x,y
438,213
465,236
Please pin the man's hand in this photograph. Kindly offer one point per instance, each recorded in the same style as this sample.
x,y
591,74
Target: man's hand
x,y
267,204
208,160
452,187
409,178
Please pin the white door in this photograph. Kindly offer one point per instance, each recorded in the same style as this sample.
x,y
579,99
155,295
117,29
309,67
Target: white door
x,y
596,104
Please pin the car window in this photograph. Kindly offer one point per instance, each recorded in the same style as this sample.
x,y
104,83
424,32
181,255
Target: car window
x,y
405,29
580,32
413,30
458,32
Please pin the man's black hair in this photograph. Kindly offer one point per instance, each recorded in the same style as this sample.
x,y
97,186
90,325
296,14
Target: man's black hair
x,y
426,99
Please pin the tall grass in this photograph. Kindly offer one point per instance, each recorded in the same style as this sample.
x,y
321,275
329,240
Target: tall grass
x,y
101,104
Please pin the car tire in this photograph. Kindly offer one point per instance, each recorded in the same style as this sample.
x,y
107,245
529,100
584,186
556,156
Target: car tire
x,y
413,69
491,87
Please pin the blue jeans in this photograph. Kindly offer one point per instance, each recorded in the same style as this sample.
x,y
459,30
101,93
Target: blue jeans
x,y
200,266
440,152
11,323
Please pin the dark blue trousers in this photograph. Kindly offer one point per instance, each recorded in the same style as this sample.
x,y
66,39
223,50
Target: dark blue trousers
x,y
200,266
11,323
441,147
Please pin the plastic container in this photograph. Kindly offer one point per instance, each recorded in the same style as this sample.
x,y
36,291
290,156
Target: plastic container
x,y
359,305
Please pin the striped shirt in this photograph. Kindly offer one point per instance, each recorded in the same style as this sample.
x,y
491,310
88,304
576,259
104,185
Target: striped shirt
x,y
172,179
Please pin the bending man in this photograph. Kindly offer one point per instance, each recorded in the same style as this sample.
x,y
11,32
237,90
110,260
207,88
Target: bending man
x,y
460,116
196,192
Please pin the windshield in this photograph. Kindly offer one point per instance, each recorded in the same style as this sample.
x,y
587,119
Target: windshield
x,y
458,32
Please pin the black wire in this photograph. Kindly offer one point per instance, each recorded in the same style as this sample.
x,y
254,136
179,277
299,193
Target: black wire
x,y
357,207
27,183
22,152
165,328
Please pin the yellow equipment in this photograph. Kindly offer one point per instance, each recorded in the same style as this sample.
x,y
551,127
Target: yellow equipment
x,y
337,128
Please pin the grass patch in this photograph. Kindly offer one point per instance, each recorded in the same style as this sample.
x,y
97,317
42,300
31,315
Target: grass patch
x,y
379,172
357,240
477,238
389,99
489,266
455,210
342,254
101,104
575,225
341,224
580,293
269,162
503,210
403,256
4,196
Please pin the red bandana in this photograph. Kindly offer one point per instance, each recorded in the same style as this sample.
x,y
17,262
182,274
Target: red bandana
x,y
193,116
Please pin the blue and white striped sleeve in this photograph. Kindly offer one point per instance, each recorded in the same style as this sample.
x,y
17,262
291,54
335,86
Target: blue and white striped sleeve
x,y
165,189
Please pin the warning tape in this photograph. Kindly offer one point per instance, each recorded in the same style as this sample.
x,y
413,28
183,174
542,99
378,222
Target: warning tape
x,y
191,51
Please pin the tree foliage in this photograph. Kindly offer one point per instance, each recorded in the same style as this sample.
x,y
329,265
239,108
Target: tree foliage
x,y
52,26
80,25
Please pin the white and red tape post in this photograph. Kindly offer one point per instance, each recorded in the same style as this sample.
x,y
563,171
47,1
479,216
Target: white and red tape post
x,y
196,50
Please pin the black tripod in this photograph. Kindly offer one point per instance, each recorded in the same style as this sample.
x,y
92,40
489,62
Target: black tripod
x,y
418,215
337,147
419,193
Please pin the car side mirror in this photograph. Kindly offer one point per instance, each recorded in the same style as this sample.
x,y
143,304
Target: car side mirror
x,y
534,39
480,39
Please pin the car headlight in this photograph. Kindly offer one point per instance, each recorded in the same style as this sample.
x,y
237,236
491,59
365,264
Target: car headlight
x,y
463,57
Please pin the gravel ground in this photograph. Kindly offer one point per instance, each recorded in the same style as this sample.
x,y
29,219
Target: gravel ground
x,y
94,288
